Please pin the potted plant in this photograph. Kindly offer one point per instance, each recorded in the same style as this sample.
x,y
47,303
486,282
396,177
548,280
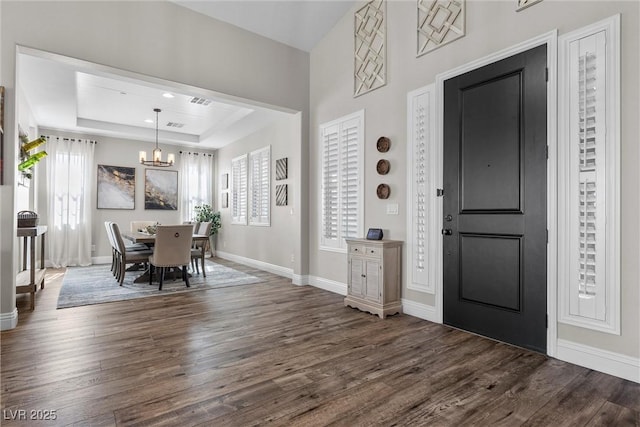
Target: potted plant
x,y
205,213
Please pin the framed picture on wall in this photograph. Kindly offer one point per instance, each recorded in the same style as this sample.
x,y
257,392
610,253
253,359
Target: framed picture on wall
x,y
116,187
161,189
225,200
224,181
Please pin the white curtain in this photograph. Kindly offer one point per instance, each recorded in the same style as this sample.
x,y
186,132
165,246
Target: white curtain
x,y
197,182
70,190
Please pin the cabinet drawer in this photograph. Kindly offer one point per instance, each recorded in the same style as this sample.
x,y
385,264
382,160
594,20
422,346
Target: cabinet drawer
x,y
373,251
356,249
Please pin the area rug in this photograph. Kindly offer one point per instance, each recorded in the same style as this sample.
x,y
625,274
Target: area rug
x,y
96,285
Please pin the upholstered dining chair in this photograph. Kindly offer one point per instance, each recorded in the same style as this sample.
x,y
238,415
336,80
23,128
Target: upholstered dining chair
x,y
172,249
199,248
125,256
131,247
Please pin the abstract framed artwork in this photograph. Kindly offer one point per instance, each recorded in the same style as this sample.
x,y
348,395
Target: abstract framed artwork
x,y
282,170
225,200
160,189
116,187
281,195
224,181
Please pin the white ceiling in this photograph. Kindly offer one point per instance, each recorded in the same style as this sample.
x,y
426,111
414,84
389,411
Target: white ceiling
x,y
74,96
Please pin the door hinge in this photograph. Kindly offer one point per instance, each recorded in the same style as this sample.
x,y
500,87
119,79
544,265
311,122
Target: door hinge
x,y
546,74
440,192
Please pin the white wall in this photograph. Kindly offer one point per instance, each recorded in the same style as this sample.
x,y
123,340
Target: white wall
x,y
158,39
277,243
490,27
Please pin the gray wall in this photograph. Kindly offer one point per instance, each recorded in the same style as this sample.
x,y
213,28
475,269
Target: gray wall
x,y
158,39
258,242
490,27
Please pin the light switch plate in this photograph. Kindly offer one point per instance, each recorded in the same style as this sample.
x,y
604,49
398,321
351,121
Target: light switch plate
x,y
392,209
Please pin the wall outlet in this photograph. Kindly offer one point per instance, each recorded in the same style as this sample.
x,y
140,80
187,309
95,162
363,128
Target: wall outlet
x,y
224,243
93,248
293,258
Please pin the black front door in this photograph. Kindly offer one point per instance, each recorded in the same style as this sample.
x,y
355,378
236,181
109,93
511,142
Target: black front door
x,y
495,170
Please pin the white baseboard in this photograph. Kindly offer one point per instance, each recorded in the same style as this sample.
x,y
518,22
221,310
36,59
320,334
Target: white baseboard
x,y
101,260
271,268
9,320
328,285
611,363
419,310
300,279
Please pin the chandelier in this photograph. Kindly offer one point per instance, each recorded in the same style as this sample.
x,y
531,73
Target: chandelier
x,y
157,152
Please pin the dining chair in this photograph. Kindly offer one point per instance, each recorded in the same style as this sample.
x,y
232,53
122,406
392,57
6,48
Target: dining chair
x,y
107,225
172,249
125,256
199,248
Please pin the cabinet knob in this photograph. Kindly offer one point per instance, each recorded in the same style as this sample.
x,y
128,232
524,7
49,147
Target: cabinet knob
x,y
362,275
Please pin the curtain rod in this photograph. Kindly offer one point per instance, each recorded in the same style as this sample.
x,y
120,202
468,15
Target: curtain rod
x,y
194,153
71,139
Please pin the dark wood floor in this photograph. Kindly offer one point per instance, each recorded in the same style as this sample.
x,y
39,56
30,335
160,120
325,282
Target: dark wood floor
x,y
286,355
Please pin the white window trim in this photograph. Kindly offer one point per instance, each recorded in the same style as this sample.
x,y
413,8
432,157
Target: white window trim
x,y
341,245
421,102
238,219
259,155
567,244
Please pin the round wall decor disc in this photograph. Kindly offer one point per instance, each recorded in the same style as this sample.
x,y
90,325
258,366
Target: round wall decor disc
x,y
383,144
383,166
383,191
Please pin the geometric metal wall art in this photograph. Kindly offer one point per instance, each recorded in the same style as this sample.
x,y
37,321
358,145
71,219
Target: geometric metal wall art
x,y
522,4
281,195
281,169
370,67
439,22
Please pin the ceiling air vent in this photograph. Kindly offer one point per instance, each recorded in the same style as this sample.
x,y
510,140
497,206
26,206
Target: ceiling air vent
x,y
200,101
175,125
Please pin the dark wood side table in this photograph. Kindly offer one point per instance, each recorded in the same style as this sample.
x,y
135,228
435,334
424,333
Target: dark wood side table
x,y
28,279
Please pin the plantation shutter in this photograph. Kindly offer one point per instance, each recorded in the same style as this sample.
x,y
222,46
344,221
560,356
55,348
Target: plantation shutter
x,y
259,176
239,190
341,181
589,197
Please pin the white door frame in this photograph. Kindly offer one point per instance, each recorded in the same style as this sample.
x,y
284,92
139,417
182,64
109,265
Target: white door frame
x,y
551,40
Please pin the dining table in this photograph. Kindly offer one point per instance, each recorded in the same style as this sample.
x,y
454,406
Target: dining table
x,y
149,240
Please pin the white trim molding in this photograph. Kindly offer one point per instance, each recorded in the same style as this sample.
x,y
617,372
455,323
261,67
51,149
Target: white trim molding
x,y
589,176
551,40
419,310
9,320
271,268
328,285
611,363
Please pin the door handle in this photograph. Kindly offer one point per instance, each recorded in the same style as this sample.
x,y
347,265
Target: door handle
x,y
447,232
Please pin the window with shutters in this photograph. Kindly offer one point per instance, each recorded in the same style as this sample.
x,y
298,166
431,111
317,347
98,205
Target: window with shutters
x,y
239,190
341,181
589,180
259,195
422,227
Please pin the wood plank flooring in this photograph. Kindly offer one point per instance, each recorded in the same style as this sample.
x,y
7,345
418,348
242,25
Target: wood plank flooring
x,y
275,353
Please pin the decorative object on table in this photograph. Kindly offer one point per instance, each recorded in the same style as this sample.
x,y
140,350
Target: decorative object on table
x,y
225,200
370,62
152,229
383,167
383,144
523,4
116,187
282,169
439,22
160,189
156,159
224,181
281,195
28,160
383,191
374,234
27,219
